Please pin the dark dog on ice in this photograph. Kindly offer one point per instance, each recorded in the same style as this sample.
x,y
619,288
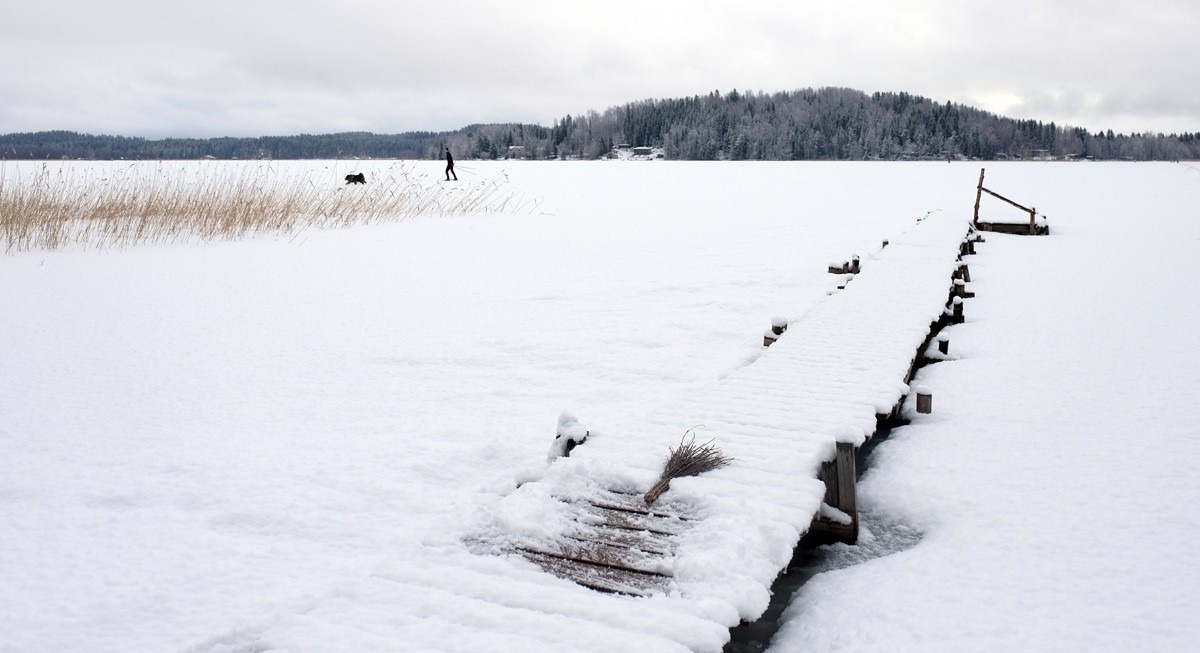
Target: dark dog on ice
x,y
356,178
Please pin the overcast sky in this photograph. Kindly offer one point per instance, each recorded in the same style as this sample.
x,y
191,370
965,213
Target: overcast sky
x,y
276,67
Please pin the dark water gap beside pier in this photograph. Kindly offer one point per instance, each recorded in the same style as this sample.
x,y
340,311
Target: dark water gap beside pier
x,y
878,536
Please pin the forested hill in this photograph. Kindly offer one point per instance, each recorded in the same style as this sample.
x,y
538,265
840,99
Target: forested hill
x,y
809,124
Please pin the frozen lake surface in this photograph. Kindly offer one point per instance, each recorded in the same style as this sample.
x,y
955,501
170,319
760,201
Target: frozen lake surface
x,y
208,444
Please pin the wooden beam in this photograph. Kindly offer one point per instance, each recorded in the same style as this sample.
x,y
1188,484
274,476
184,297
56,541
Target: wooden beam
x,y
999,196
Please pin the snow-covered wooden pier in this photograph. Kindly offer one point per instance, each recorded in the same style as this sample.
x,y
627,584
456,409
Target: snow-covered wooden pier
x,y
572,558
703,557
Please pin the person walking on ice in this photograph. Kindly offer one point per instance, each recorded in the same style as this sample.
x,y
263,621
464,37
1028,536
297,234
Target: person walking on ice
x,y
450,166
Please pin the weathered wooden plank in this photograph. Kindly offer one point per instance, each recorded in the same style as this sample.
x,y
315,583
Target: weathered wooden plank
x,y
635,521
632,502
598,553
1018,228
646,541
638,505
599,577
620,545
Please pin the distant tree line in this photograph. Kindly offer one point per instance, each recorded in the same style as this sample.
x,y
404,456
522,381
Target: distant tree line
x,y
72,145
808,124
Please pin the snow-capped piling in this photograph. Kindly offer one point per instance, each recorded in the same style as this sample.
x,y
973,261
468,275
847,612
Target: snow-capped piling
x,y
963,272
944,344
960,288
778,327
956,315
924,399
570,434
851,266
838,519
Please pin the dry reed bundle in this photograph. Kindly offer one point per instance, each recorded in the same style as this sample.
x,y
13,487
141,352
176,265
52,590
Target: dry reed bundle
x,y
148,202
688,459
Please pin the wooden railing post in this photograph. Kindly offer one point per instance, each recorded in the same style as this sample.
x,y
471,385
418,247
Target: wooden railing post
x,y
978,196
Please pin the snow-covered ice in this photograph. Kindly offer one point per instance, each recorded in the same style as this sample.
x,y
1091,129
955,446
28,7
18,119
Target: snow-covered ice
x,y
280,443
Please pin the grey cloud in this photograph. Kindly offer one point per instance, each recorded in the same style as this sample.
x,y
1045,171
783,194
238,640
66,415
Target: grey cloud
x,y
269,67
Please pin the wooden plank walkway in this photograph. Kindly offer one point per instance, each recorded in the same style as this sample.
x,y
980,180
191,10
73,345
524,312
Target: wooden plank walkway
x,y
831,375
576,561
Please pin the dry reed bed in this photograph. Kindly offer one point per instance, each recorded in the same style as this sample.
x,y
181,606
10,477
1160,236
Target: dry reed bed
x,y
148,202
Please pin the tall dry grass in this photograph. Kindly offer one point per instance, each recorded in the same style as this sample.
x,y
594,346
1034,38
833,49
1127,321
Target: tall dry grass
x,y
54,206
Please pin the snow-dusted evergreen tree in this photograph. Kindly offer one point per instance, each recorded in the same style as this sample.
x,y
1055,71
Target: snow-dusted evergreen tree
x,y
826,123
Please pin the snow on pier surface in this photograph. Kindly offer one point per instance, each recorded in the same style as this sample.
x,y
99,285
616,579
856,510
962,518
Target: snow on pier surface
x,y
825,380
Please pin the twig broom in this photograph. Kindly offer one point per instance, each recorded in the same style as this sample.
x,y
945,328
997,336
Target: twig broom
x,y
689,459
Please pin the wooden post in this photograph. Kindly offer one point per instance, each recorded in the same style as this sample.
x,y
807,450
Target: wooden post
x,y
839,476
960,288
957,317
965,272
778,326
924,400
944,344
854,262
978,195
1032,221
885,243
847,499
